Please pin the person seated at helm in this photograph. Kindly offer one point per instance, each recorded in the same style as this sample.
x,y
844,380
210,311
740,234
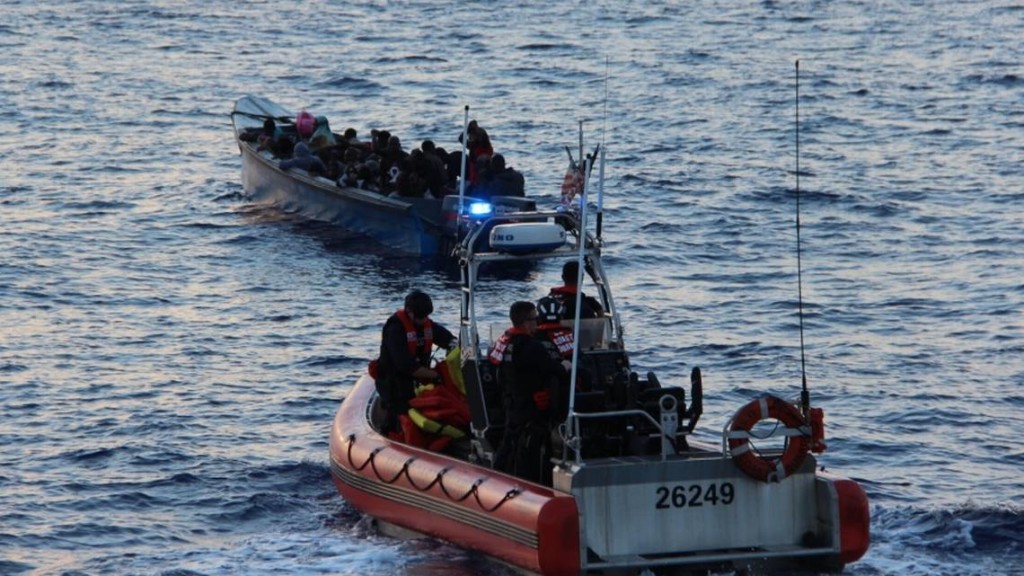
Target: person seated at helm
x,y
566,294
407,341
529,378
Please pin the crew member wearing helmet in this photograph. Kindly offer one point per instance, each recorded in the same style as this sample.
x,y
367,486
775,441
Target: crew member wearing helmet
x,y
407,341
557,339
566,294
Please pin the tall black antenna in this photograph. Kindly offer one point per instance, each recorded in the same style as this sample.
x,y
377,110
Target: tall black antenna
x,y
805,395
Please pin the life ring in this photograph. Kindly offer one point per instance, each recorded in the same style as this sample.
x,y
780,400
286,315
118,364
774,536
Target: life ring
x,y
747,459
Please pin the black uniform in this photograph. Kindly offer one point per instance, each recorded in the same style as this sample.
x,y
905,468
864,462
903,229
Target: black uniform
x,y
590,307
396,365
526,369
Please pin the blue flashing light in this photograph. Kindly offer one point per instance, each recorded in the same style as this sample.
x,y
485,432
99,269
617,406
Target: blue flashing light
x,y
480,209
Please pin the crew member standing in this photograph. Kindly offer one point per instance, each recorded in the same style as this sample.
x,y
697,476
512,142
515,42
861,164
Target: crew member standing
x,y
527,375
407,341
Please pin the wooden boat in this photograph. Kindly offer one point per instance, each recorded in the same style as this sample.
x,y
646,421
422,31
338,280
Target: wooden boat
x,y
415,226
632,492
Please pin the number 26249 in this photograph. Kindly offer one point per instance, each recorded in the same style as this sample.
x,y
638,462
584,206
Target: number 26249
x,y
695,495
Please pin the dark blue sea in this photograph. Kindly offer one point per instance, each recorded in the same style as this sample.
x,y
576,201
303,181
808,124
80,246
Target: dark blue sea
x,y
172,354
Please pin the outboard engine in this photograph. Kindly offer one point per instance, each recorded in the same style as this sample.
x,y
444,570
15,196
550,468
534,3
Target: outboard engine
x,y
667,406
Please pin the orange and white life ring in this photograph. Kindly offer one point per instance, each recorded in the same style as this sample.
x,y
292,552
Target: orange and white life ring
x,y
746,457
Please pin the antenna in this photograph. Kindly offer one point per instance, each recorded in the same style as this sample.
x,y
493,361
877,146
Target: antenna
x,y
604,112
462,172
805,395
600,189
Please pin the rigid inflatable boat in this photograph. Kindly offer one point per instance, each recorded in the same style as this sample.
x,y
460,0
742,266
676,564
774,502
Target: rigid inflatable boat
x,y
632,491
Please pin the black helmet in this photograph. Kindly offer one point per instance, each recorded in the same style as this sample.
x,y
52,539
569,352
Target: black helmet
x,y
419,304
570,272
549,309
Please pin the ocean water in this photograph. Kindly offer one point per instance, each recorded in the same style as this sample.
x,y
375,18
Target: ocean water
x,y
171,354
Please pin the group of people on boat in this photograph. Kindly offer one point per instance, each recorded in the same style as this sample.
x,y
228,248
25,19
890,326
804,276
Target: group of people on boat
x,y
531,360
382,164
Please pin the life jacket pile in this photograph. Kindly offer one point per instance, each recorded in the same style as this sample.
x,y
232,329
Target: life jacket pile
x,y
439,413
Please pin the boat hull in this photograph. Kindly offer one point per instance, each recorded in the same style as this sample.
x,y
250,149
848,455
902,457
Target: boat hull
x,y
527,525
692,511
700,510
409,227
416,226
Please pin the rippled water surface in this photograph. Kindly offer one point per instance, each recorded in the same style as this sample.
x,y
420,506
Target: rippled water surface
x,y
171,356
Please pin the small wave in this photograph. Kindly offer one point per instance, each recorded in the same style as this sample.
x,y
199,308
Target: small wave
x,y
91,455
966,528
179,479
321,361
915,542
12,567
99,205
1004,80
545,46
410,58
359,87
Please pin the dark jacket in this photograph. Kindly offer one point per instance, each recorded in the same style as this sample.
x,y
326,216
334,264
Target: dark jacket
x,y
305,160
527,368
396,364
590,306
508,182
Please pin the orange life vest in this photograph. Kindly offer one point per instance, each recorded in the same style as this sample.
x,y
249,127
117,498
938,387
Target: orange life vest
x,y
412,340
497,353
560,336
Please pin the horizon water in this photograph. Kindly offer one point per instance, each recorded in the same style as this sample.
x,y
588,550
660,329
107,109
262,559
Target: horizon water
x,y
172,354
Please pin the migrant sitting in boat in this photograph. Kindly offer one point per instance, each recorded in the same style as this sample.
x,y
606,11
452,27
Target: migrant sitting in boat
x,y
305,160
399,197
382,165
497,179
